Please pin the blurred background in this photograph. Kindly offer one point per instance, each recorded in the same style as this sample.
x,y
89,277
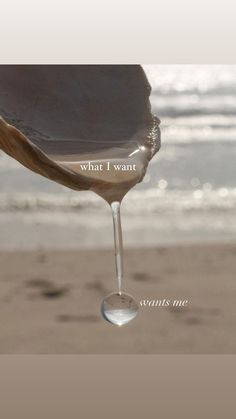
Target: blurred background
x,y
188,194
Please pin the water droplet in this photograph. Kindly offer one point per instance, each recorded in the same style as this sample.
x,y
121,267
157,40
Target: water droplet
x,y
119,309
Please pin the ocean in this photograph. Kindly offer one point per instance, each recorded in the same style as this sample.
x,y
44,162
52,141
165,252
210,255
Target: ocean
x,y
188,194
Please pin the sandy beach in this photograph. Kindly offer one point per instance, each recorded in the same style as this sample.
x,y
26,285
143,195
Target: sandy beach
x,y
50,301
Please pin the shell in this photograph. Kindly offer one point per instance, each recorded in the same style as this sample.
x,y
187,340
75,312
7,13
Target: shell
x,y
50,111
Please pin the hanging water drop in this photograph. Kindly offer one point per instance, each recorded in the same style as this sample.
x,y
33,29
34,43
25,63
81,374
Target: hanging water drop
x,y
119,308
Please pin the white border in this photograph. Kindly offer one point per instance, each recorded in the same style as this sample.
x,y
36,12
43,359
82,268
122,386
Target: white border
x,y
124,31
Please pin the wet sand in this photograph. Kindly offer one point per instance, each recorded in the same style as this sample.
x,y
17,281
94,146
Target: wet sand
x,y
50,301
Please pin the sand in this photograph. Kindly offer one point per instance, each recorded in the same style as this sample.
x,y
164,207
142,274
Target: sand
x,y
50,301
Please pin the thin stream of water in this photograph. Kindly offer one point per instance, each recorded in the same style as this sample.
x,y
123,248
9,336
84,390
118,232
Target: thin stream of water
x,y
118,243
